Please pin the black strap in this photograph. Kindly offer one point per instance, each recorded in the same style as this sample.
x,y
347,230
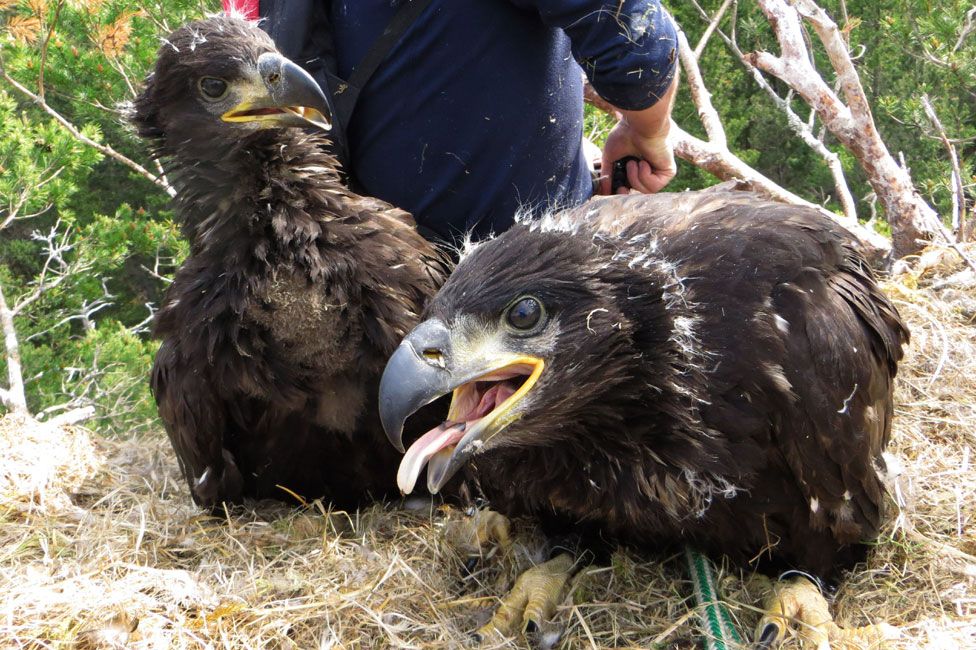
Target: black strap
x,y
346,94
302,30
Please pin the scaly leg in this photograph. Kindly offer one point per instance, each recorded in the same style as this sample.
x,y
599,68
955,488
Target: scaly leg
x,y
800,601
532,600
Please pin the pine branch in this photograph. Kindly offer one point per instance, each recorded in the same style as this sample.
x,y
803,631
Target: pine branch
x,y
81,137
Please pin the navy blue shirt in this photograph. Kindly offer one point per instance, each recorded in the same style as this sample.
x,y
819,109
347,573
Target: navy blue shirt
x,y
477,111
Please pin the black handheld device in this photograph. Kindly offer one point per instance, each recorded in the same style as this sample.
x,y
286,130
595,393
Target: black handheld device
x,y
618,175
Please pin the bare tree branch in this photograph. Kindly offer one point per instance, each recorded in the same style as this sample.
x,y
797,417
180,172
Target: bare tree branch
x,y
716,19
143,326
847,22
88,309
13,397
117,65
725,165
120,68
56,269
805,131
734,22
968,27
86,387
13,210
73,416
157,262
801,129
958,192
81,137
912,220
715,157
699,93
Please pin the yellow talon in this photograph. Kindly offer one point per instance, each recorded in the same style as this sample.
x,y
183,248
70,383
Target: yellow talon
x,y
492,527
532,600
470,536
800,601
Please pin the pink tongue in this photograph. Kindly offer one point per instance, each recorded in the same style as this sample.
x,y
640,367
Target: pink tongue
x,y
437,441
430,443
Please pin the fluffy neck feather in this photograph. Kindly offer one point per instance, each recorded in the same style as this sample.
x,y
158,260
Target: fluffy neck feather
x,y
272,206
275,190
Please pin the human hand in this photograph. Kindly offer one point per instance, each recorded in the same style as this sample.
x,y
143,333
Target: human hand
x,y
656,167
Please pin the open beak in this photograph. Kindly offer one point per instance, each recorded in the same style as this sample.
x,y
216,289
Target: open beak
x,y
288,96
487,386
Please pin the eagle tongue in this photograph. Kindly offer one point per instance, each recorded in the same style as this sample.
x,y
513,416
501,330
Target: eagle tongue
x,y
436,467
429,444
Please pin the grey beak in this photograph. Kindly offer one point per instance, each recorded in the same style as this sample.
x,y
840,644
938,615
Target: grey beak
x,y
290,85
416,375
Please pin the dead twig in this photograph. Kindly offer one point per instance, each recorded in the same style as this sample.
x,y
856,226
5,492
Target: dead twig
x,y
712,25
958,192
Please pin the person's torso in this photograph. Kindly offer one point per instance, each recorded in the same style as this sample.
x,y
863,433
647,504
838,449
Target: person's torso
x,y
475,114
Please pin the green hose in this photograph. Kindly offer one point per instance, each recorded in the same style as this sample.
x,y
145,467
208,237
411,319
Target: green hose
x,y
716,621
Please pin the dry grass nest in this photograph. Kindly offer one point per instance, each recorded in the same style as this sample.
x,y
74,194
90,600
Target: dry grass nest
x,y
100,546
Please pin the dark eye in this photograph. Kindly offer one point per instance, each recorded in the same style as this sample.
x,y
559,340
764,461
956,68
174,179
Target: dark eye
x,y
212,87
525,313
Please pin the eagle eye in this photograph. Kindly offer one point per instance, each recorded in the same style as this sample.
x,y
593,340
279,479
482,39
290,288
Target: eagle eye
x,y
525,313
212,88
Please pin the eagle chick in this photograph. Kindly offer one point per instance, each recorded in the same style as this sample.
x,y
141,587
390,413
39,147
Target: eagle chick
x,y
276,328
707,368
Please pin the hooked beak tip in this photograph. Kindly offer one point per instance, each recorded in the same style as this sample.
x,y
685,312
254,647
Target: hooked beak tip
x,y
290,96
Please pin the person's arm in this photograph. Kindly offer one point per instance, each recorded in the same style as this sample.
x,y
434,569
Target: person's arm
x,y
642,134
628,50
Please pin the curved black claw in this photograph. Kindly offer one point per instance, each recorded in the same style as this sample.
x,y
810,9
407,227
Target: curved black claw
x,y
471,564
768,637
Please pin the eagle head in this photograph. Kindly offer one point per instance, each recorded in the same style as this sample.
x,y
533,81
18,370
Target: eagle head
x,y
221,80
540,342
